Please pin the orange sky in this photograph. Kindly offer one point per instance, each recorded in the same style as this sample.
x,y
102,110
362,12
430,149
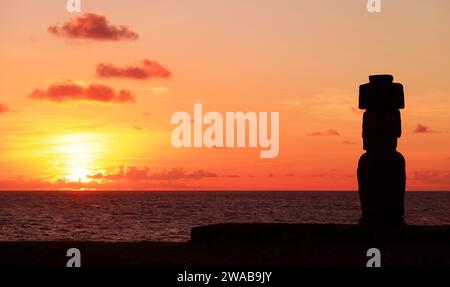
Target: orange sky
x,y
110,129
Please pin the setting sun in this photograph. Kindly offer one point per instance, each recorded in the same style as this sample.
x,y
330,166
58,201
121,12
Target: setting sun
x,y
77,156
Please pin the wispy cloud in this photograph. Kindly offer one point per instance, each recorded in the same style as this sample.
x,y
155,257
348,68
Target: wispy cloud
x,y
135,173
94,27
329,132
432,176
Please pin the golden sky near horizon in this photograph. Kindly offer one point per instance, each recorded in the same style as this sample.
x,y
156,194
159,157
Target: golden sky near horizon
x,y
303,59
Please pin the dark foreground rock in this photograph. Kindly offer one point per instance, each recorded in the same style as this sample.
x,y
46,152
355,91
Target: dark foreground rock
x,y
252,245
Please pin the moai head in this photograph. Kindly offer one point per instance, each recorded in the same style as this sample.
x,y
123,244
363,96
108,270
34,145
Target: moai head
x,y
382,98
381,93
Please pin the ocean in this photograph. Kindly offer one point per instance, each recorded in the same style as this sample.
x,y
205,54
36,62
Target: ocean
x,y
169,215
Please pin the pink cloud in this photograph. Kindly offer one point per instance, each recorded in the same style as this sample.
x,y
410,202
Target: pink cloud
x,y
422,129
94,27
4,109
69,91
146,70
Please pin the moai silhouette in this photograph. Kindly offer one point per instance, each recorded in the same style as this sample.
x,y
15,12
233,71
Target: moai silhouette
x,y
381,170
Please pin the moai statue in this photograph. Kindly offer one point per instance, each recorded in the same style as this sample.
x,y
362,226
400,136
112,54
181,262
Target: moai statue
x,y
381,170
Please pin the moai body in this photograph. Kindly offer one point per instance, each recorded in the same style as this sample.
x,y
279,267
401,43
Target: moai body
x,y
381,170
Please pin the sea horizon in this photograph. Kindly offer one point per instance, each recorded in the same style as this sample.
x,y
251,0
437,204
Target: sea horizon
x,y
129,216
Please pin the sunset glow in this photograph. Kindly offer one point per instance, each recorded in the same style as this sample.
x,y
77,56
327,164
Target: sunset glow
x,y
86,99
